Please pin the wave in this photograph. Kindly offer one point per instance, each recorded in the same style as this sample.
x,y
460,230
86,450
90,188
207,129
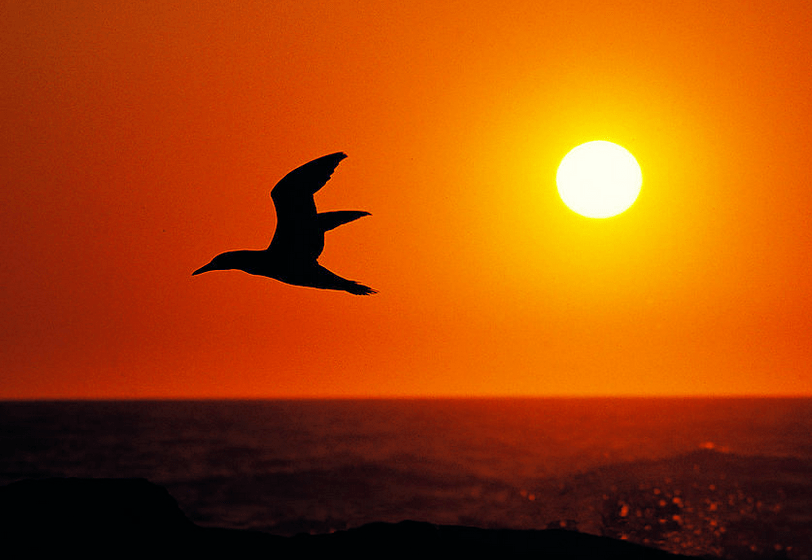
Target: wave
x,y
701,502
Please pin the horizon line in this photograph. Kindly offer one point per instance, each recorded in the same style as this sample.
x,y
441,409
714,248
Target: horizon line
x,y
692,396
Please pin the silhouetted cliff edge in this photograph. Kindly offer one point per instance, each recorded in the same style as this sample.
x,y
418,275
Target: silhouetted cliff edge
x,y
117,518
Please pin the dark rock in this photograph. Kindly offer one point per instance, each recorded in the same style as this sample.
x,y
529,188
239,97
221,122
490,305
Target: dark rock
x,y
117,518
412,539
106,518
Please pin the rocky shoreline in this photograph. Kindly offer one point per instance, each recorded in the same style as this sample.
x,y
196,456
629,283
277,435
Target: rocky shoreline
x,y
132,517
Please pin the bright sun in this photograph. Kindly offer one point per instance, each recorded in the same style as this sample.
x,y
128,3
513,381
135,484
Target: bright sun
x,y
599,179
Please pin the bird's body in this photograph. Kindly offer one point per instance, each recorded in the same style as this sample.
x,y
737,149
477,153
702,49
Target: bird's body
x,y
292,256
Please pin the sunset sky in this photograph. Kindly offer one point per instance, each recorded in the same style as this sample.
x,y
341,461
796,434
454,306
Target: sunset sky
x,y
139,139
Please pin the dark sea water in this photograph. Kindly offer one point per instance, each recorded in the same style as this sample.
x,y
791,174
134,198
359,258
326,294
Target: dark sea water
x,y
731,477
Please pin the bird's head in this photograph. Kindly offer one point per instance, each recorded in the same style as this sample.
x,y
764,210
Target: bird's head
x,y
225,261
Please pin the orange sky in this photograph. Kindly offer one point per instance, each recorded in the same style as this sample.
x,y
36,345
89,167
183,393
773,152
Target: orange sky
x,y
141,139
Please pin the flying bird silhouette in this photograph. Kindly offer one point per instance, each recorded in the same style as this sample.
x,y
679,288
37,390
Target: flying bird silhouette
x,y
292,256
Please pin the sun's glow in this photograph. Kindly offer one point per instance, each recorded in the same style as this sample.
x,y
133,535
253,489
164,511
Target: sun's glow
x,y
599,179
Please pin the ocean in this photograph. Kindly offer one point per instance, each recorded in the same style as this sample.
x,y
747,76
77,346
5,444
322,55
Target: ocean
x,y
729,477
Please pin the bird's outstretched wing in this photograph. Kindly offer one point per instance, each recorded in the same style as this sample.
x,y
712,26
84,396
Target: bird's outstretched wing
x,y
293,194
299,235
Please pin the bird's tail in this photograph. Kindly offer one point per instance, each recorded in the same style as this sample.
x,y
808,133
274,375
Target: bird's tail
x,y
320,277
359,289
330,220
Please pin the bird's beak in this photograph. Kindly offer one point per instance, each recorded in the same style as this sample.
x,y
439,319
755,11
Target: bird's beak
x,y
202,269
